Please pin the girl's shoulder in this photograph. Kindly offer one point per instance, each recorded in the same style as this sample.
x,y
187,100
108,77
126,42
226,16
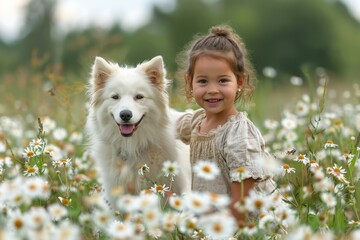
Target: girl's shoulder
x,y
240,125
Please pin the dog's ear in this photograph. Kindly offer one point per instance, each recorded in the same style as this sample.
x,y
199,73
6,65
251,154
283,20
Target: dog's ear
x,y
155,71
101,71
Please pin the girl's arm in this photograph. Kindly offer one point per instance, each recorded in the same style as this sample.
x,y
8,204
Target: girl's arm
x,y
237,194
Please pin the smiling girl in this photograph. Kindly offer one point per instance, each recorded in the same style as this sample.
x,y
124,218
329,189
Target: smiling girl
x,y
217,74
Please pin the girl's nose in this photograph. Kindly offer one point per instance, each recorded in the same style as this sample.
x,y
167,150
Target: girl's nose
x,y
213,89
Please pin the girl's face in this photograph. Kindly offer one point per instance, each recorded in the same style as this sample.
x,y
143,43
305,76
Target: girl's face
x,y
214,85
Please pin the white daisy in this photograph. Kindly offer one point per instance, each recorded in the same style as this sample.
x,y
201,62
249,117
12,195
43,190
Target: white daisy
x,y
160,189
121,230
219,225
170,168
57,211
197,202
206,170
176,202
330,144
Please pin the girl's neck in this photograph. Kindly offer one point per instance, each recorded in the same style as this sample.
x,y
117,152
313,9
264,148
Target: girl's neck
x,y
212,121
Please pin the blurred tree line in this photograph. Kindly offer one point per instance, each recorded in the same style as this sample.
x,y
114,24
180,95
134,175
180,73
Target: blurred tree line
x,y
288,35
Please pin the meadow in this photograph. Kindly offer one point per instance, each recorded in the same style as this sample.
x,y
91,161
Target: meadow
x,y
49,188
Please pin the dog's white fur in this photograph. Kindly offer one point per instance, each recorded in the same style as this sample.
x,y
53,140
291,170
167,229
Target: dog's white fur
x,y
121,96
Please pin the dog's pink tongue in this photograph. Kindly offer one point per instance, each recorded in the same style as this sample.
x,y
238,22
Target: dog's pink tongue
x,y
127,128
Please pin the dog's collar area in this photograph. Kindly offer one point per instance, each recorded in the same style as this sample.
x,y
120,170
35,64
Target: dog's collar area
x,y
127,130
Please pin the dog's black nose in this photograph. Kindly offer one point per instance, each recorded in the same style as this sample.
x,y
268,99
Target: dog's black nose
x,y
126,115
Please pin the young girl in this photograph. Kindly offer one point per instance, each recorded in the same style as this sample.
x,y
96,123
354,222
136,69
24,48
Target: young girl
x,y
218,73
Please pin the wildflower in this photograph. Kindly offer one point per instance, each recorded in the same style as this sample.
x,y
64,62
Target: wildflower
x,y
354,223
101,218
347,157
187,223
329,199
256,202
151,217
36,217
6,161
37,143
197,203
65,201
302,158
326,184
169,221
287,169
291,136
128,203
269,72
30,152
330,144
313,163
296,81
219,226
59,134
57,211
170,169
36,187
218,200
160,189
67,230
336,171
143,168
271,124
176,202
302,109
63,162
31,171
2,147
289,123
250,229
206,170
76,137
48,124
148,201
239,174
16,221
198,234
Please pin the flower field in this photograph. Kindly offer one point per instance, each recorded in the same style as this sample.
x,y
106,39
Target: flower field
x,y
49,188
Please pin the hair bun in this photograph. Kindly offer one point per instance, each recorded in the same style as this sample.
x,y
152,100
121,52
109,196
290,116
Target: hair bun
x,y
221,31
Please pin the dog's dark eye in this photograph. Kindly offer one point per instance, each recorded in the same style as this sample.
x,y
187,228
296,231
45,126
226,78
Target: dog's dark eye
x,y
139,96
115,96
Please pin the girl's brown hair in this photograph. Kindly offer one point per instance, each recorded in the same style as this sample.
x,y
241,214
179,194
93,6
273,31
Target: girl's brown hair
x,y
220,42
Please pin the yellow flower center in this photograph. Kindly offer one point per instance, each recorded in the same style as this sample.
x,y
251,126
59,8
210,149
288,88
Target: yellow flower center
x,y
18,223
159,188
286,166
206,169
30,153
217,228
240,170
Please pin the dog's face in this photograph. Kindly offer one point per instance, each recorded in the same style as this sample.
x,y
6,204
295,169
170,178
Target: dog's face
x,y
127,96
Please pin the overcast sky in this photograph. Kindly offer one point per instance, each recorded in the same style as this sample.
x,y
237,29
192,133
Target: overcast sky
x,y
72,14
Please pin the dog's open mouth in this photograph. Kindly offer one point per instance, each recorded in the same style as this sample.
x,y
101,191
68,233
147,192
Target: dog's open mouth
x,y
127,129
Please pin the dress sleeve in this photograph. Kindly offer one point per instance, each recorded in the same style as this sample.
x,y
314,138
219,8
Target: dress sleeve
x,y
183,127
243,146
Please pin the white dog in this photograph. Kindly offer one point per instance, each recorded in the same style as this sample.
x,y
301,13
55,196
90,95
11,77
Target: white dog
x,y
130,124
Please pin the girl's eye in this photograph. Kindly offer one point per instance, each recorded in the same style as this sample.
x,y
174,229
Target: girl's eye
x,y
224,80
202,81
139,96
115,96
